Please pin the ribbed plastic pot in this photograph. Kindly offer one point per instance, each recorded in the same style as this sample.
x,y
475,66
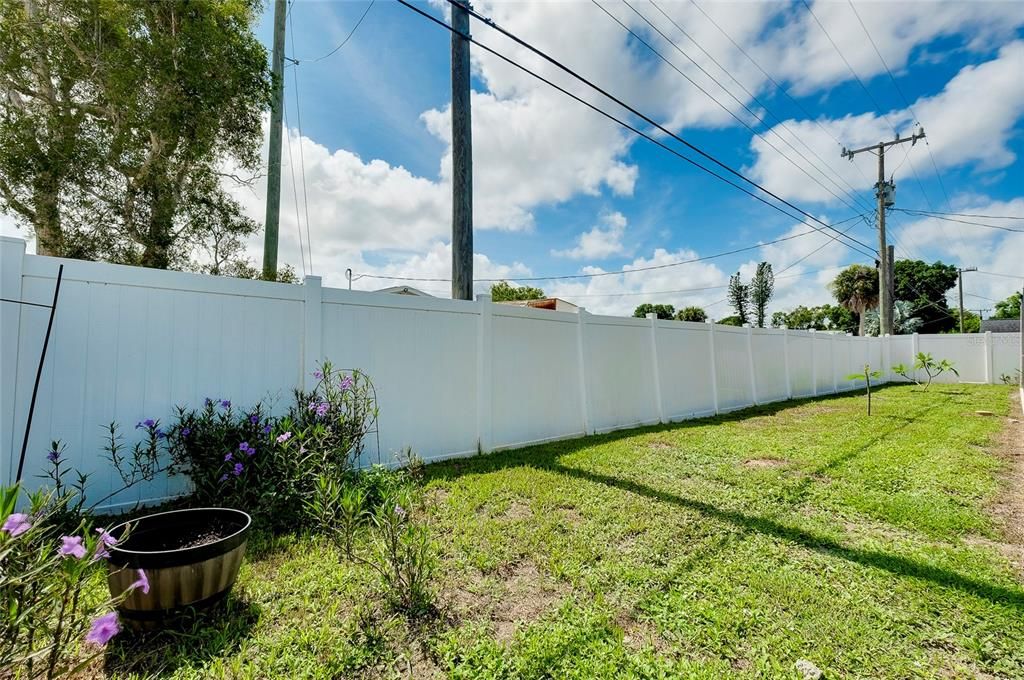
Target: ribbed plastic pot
x,y
180,580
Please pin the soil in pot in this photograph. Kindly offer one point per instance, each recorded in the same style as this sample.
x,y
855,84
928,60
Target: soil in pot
x,y
215,530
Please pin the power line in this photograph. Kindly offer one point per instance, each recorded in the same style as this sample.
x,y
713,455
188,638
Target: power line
x,y
295,194
986,217
340,45
725,108
629,127
612,273
302,155
845,61
937,216
819,248
1008,276
624,105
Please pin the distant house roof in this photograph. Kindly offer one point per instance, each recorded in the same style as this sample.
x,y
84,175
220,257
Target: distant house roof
x,y
557,304
1000,325
404,290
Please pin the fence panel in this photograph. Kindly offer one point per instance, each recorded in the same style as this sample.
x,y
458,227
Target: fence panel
x,y
967,352
801,363
684,356
769,364
732,367
620,373
1006,355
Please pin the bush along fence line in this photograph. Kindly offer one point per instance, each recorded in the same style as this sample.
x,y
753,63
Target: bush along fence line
x,y
452,377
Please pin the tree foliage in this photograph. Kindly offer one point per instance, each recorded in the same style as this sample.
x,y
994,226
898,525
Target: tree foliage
x,y
503,291
925,286
762,287
903,321
731,321
663,311
119,119
739,298
856,289
1008,308
821,318
692,314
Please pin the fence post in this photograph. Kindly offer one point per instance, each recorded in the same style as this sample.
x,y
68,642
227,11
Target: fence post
x,y
785,360
312,336
814,365
12,261
887,357
714,371
832,361
654,360
581,352
484,374
988,358
750,363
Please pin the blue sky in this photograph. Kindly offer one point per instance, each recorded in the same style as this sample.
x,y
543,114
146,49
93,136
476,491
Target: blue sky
x,y
561,191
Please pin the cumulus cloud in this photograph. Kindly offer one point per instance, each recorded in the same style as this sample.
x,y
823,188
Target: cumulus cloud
x,y
601,242
965,123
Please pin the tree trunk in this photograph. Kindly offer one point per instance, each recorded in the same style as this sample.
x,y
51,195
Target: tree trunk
x,y
159,237
46,218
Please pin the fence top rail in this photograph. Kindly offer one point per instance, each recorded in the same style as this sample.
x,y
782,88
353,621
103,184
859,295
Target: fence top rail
x,y
363,298
105,273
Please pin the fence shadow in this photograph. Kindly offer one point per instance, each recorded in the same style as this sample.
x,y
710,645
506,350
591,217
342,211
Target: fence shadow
x,y
548,457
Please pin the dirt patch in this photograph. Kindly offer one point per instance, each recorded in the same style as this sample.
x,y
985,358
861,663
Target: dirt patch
x,y
765,463
516,510
639,635
660,445
1008,508
518,593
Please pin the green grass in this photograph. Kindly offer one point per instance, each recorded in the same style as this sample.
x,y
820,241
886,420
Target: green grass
x,y
662,552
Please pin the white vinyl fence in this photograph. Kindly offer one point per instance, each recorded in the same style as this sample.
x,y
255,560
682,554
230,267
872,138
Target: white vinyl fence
x,y
452,377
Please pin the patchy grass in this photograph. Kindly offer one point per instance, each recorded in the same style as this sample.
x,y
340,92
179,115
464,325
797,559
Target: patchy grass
x,y
727,546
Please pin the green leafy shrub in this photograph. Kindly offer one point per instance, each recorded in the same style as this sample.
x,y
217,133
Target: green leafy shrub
x,y
268,466
925,362
867,376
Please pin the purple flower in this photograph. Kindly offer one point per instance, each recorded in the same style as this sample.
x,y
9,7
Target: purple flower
x,y
208,402
223,477
186,431
266,429
346,383
53,456
322,408
227,457
254,419
160,434
318,374
16,524
237,470
226,403
244,446
147,423
400,511
103,628
72,546
282,438
142,583
106,540
251,451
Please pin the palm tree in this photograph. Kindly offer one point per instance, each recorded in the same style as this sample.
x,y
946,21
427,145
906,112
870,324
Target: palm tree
x,y
856,288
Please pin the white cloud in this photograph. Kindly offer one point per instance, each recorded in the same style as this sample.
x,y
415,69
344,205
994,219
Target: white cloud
x,y
601,242
970,121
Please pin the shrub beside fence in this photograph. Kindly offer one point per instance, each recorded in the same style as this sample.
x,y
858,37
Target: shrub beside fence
x,y
452,377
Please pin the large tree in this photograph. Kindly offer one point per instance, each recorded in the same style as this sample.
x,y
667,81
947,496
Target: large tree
x,y
762,287
662,311
503,291
119,117
1008,308
738,296
822,318
856,289
925,286
692,314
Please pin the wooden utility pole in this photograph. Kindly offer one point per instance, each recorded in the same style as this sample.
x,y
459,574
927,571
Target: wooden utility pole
x,y
462,158
885,193
270,228
960,288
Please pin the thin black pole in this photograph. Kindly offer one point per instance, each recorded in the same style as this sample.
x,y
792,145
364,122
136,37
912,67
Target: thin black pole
x,y
39,374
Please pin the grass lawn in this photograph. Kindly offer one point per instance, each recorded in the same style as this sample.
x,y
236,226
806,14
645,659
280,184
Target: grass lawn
x,y
871,546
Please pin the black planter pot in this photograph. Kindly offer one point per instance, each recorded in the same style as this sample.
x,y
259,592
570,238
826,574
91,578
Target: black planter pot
x,y
180,579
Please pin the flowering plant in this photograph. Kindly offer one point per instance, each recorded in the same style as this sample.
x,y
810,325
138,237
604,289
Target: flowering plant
x,y
48,628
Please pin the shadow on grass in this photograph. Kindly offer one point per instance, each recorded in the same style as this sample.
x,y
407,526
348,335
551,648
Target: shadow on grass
x,y
547,457
189,641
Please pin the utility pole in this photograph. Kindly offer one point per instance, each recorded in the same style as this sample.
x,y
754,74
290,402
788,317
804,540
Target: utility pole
x,y
270,228
885,192
960,287
462,158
